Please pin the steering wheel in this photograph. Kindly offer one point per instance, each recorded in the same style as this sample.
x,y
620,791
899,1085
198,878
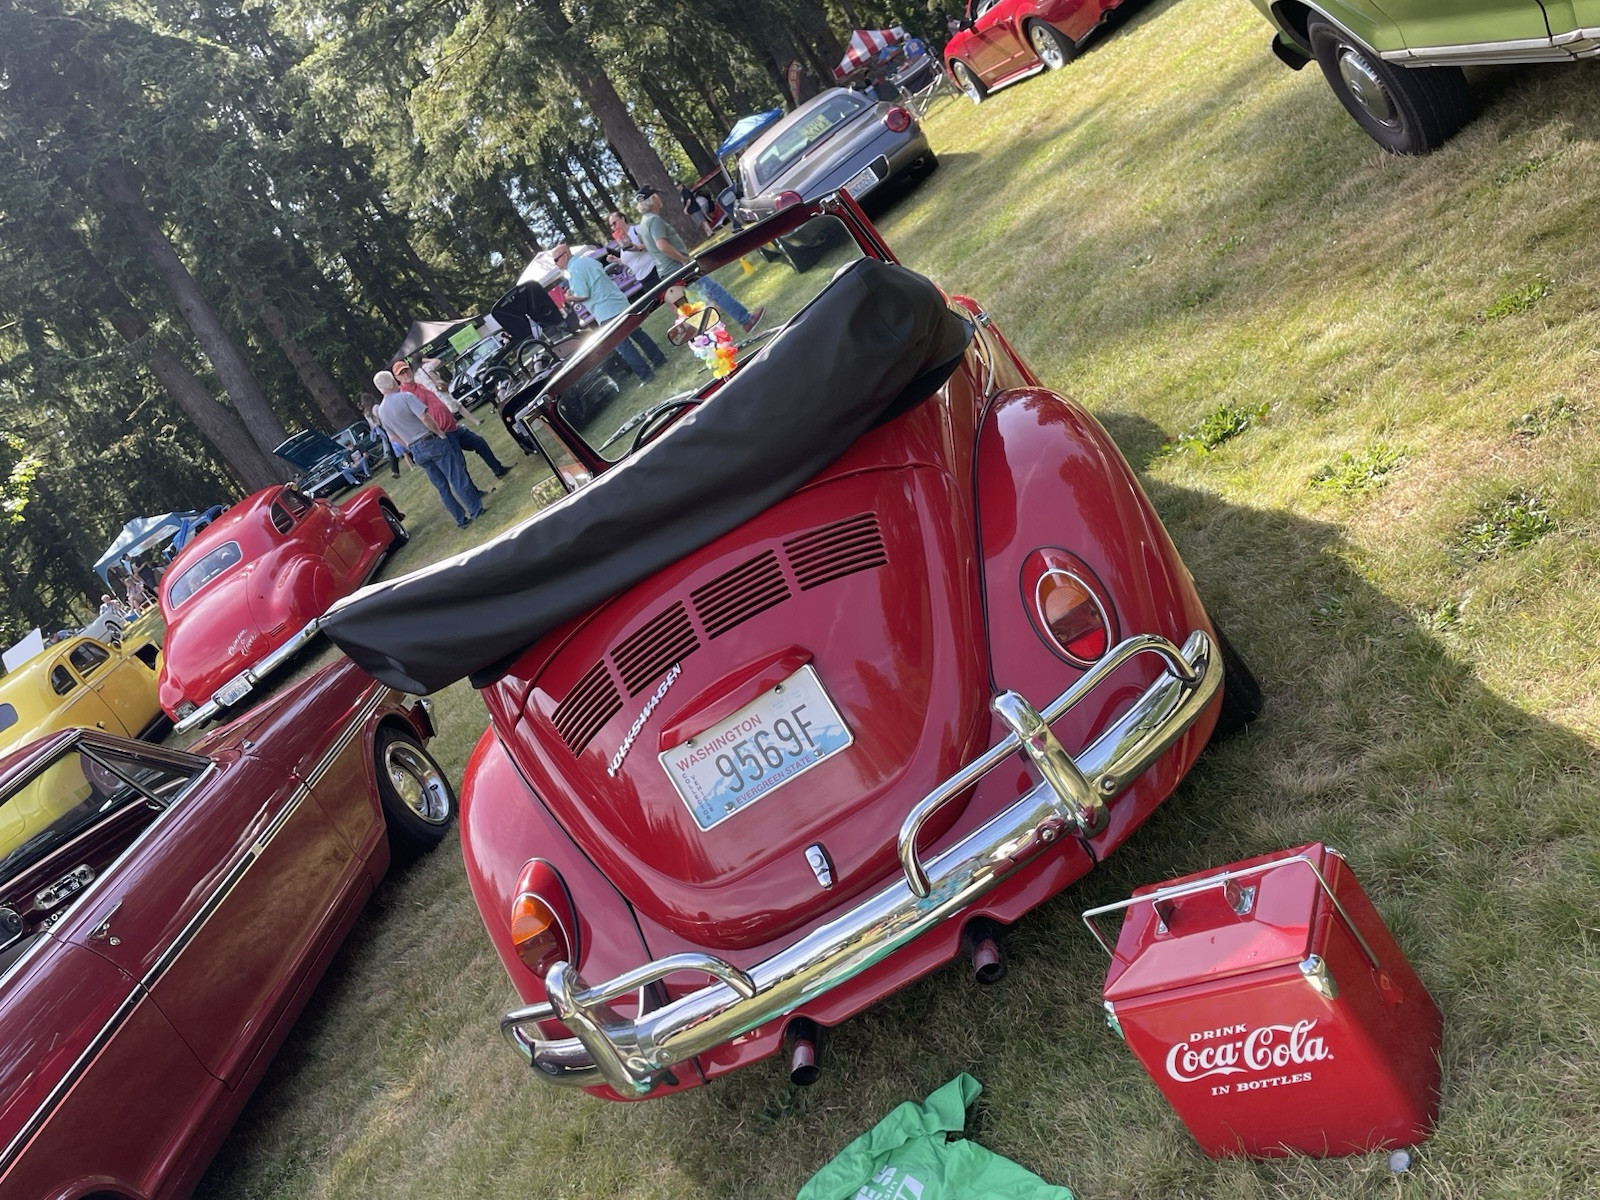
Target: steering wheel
x,y
653,423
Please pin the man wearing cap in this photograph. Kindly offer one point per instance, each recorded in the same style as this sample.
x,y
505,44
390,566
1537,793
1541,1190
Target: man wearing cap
x,y
407,419
669,252
464,438
587,281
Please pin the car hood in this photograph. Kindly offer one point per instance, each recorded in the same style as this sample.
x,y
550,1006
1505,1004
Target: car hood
x,y
308,448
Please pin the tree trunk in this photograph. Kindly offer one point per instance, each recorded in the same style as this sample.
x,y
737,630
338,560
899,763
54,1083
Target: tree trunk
x,y
123,190
585,158
222,430
430,282
225,432
703,160
633,182
330,399
638,157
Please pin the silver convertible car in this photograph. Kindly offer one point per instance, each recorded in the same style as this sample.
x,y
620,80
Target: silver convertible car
x,y
836,140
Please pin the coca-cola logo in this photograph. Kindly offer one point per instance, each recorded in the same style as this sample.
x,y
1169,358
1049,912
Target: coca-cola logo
x,y
1235,1050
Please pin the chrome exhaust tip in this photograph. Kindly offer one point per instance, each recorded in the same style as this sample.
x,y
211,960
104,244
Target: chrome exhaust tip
x,y
803,1037
981,936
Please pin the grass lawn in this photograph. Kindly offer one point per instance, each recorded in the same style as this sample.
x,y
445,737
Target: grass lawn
x,y
1362,392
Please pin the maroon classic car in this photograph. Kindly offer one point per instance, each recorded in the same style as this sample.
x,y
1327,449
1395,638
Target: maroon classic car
x,y
997,42
821,669
244,596
161,930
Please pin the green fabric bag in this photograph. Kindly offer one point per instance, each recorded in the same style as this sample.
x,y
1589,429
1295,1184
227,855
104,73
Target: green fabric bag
x,y
907,1156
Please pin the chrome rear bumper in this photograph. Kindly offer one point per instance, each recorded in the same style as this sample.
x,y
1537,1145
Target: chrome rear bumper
x,y
245,681
630,1054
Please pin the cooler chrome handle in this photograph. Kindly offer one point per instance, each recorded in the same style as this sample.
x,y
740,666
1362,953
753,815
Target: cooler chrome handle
x,y
1225,880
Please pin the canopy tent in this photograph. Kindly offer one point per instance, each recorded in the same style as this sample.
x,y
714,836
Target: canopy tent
x,y
745,129
422,333
142,533
865,45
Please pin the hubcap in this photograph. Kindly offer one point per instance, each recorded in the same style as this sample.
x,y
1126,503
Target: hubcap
x,y
417,782
1363,83
968,84
1047,48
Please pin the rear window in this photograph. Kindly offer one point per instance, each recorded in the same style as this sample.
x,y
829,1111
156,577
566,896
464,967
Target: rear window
x,y
203,572
790,143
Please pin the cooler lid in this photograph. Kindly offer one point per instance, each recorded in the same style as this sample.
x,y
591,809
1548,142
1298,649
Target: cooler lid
x,y
1259,914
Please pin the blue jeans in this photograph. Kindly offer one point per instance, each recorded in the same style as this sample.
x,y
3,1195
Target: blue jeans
x,y
629,348
714,294
465,439
440,459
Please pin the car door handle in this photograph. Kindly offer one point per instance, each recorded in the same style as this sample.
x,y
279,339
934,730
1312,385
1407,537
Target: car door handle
x,y
102,932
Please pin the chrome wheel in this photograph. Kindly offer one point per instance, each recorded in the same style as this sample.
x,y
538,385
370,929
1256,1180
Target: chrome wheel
x,y
1047,45
1365,87
968,82
417,782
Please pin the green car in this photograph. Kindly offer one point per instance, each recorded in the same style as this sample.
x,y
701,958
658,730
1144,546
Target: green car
x,y
1397,68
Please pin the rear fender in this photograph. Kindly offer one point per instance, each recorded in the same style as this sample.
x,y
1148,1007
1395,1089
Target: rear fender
x,y
503,825
364,511
1048,475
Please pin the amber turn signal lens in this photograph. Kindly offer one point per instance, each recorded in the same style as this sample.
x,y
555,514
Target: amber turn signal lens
x,y
1072,614
539,933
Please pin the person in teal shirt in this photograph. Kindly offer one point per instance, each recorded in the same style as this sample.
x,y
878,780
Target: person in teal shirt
x,y
587,281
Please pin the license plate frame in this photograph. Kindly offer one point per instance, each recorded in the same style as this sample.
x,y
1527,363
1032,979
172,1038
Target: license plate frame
x,y
862,182
798,721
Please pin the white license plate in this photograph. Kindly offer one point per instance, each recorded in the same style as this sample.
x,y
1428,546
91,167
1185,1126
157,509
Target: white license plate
x,y
778,736
861,184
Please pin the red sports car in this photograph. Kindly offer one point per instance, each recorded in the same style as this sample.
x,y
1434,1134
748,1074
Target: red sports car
x,y
244,596
825,666
998,42
160,933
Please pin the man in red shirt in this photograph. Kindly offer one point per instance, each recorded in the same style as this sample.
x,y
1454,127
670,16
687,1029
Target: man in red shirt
x,y
464,438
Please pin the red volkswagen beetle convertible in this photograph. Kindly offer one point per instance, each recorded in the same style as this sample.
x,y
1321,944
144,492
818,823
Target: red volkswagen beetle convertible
x,y
244,596
162,928
864,648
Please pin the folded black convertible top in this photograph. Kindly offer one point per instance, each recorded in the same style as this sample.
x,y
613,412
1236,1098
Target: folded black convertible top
x,y
876,341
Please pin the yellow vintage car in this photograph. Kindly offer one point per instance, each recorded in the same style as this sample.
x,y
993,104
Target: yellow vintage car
x,y
80,681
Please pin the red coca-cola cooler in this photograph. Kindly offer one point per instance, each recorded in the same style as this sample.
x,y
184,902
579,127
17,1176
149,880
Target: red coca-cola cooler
x,y
1273,1009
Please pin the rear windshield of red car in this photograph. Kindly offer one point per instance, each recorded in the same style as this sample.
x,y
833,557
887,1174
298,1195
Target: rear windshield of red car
x,y
203,572
789,145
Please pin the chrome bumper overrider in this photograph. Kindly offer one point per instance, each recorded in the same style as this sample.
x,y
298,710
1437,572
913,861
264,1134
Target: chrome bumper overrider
x,y
631,1053
247,679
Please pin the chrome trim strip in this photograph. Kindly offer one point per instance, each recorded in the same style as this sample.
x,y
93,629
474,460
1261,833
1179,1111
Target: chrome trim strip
x,y
1563,47
255,674
629,1055
164,963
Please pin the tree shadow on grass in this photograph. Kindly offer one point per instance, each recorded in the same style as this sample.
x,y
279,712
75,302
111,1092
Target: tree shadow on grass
x,y
1471,824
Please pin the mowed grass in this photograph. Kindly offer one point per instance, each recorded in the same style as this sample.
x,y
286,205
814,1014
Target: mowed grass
x,y
1400,534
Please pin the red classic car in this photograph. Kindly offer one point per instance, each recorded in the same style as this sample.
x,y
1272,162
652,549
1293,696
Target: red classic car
x,y
997,42
244,596
160,933
821,668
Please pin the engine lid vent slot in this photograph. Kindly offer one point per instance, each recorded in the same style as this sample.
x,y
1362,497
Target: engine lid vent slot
x,y
737,595
643,655
592,702
833,551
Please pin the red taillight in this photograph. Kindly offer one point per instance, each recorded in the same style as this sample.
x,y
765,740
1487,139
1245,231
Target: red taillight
x,y
897,120
1068,605
543,925
785,200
